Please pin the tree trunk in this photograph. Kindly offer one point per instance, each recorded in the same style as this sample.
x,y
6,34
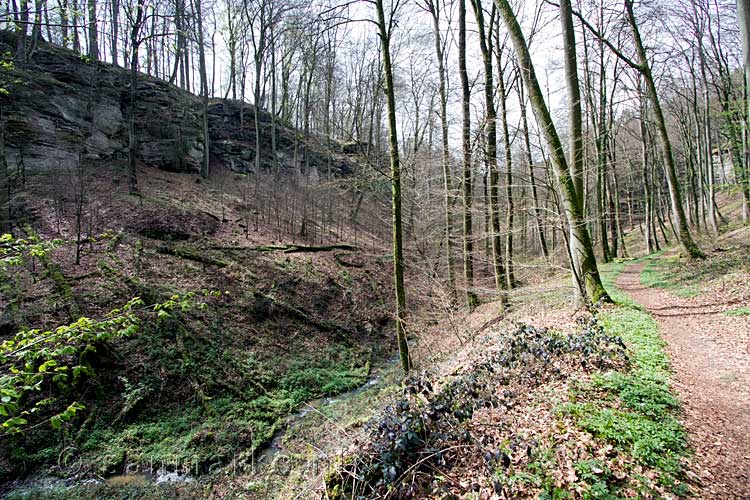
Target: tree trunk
x,y
21,29
575,131
743,16
5,218
204,88
648,197
447,188
510,279
490,128
74,25
471,297
589,273
398,258
135,42
63,6
691,248
93,31
115,7
538,214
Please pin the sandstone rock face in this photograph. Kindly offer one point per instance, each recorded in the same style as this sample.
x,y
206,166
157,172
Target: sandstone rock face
x,y
62,109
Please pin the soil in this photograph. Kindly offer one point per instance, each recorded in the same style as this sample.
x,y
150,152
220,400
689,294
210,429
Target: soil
x,y
710,355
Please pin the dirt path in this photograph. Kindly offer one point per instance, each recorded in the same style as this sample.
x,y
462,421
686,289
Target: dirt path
x,y
710,354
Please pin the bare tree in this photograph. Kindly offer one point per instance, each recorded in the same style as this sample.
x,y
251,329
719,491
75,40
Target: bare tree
x,y
471,297
585,268
385,29
490,127
433,7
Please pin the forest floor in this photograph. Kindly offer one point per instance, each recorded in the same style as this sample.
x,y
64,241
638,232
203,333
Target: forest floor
x,y
707,330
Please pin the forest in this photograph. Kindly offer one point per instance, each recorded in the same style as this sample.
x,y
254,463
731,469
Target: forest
x,y
374,249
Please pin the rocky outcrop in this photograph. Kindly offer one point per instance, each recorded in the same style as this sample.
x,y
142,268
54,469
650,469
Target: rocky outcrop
x,y
61,109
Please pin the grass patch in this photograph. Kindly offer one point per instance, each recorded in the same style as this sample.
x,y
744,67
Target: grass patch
x,y
686,278
740,311
665,274
634,410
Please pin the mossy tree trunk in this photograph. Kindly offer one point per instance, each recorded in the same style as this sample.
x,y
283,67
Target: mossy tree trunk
x,y
743,16
588,273
4,185
384,32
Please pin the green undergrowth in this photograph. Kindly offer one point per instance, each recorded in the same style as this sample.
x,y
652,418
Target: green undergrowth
x,y
666,273
205,434
634,410
140,491
194,405
686,278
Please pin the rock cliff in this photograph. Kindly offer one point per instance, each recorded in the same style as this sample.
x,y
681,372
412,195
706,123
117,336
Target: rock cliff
x,y
61,108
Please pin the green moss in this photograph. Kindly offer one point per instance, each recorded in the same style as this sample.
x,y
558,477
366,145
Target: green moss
x,y
327,378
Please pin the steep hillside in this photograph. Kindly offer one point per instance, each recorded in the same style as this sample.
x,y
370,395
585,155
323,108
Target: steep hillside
x,y
298,309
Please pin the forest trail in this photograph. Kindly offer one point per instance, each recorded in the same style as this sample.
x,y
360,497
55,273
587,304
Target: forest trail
x,y
710,356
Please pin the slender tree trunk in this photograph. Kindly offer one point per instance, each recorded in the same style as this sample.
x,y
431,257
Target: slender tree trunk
x,y
114,40
691,248
180,45
447,187
93,31
538,213
471,296
646,184
510,279
589,273
74,26
743,16
490,128
21,29
204,87
398,258
5,215
274,108
135,42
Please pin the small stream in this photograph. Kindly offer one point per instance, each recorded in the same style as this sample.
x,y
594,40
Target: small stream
x,y
274,446
265,456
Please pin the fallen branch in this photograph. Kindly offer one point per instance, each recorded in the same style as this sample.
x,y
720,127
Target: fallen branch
x,y
330,326
292,248
339,258
184,253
